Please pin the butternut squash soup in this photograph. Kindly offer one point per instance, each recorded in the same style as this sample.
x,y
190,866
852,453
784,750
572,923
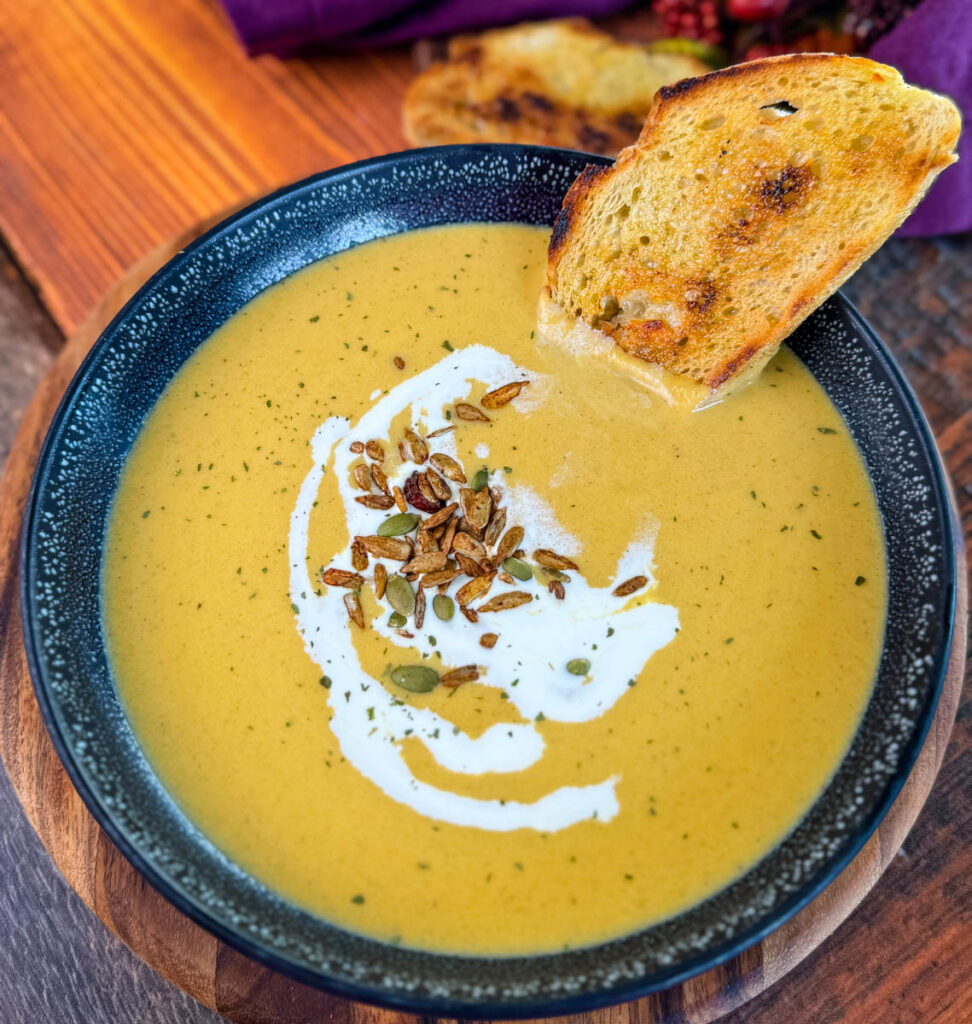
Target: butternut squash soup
x,y
470,642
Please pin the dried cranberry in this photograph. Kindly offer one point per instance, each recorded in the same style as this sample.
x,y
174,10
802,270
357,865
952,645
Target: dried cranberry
x,y
415,497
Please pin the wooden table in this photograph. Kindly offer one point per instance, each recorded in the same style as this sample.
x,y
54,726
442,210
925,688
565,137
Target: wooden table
x,y
124,121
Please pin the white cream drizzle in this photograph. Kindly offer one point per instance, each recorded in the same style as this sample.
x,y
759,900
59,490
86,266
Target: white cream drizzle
x,y
528,663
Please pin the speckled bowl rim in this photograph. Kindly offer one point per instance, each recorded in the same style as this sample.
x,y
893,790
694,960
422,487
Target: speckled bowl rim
x,y
451,1007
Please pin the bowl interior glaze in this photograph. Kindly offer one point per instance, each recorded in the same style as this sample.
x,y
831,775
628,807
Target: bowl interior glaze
x,y
62,544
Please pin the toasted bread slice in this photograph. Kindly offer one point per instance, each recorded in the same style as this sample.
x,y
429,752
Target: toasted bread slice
x,y
556,83
750,196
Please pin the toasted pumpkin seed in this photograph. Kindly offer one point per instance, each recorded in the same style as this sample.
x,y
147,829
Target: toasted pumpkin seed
x,y
378,501
630,586
359,557
543,574
517,568
399,499
502,602
443,606
415,678
425,541
355,612
496,526
500,396
552,560
470,566
342,578
417,449
441,578
510,542
476,587
441,431
467,527
578,666
448,535
362,476
468,545
476,506
375,451
380,480
418,615
397,526
381,579
439,517
470,413
458,676
467,674
400,595
448,466
357,447
427,561
428,493
439,487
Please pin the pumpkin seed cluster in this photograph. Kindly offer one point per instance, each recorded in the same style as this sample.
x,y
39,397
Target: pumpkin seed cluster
x,y
449,530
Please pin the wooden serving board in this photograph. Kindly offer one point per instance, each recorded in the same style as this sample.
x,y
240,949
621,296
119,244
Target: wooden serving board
x,y
246,992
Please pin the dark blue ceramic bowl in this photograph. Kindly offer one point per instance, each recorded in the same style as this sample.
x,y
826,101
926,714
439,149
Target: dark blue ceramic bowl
x,y
62,545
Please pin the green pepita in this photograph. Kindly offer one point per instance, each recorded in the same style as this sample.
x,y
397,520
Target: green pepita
x,y
578,666
544,574
398,526
518,568
396,621
480,480
443,606
400,595
415,678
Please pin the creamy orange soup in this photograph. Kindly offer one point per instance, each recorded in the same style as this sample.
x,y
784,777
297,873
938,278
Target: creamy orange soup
x,y
618,758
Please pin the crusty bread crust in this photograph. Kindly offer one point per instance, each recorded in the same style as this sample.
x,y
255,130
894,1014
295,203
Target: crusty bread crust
x,y
750,196
556,83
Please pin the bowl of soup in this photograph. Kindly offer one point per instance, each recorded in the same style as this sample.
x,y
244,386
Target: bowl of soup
x,y
447,668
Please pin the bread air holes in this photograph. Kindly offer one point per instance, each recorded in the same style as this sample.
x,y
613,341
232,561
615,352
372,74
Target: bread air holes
x,y
778,109
609,307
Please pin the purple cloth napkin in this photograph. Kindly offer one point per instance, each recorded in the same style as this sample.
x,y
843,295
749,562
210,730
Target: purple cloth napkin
x,y
283,26
933,47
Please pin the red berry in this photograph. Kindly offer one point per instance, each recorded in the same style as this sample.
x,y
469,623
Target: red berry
x,y
757,10
693,19
415,497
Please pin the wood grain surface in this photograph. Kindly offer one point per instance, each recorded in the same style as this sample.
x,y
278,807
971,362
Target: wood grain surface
x,y
241,990
124,122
